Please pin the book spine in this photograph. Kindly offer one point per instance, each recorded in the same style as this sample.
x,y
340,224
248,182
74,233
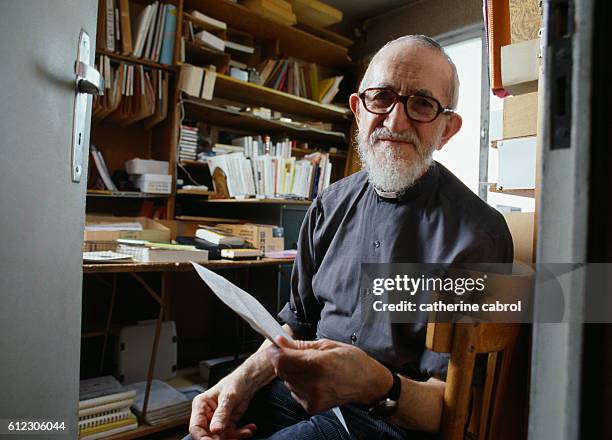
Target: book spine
x,y
167,52
110,25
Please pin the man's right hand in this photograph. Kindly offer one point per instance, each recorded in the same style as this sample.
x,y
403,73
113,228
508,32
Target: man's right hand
x,y
216,412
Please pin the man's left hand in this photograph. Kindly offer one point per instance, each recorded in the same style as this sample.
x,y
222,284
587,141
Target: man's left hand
x,y
323,374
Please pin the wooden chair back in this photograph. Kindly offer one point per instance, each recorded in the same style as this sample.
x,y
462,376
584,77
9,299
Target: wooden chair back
x,y
464,341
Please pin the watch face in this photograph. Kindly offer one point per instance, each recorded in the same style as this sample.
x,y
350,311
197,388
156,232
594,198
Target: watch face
x,y
383,409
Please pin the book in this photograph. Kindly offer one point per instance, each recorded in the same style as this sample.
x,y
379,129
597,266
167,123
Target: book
x,y
109,428
149,255
208,84
102,168
110,25
103,385
239,47
99,409
141,30
213,23
159,34
126,27
210,40
218,236
167,46
151,29
107,398
191,79
109,417
328,88
241,253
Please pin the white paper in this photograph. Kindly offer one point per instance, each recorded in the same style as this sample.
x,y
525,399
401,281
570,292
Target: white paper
x,y
250,310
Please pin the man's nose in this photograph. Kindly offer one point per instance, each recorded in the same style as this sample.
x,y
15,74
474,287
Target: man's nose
x,y
397,120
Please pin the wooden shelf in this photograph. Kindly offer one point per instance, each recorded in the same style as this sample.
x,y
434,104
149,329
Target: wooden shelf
x,y
215,115
242,91
293,42
124,194
262,201
336,154
145,429
134,60
194,192
513,192
177,267
98,331
194,163
193,218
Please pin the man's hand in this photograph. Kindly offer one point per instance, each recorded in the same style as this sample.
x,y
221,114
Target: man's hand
x,y
215,413
323,374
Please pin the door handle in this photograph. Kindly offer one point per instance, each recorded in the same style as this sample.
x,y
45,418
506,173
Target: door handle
x,y
89,79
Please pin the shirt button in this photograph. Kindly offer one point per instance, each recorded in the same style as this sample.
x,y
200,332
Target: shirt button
x,y
377,244
353,338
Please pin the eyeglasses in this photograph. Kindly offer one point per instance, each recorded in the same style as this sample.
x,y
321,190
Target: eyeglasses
x,y
381,101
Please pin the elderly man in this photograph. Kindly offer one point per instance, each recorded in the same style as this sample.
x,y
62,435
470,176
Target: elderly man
x,y
402,207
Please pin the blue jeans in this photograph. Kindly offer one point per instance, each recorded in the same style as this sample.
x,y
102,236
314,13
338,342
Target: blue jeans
x,y
279,417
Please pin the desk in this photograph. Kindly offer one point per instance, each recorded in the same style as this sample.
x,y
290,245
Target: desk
x,y
161,297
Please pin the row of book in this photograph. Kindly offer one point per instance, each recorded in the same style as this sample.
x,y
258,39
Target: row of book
x,y
133,93
188,143
253,146
134,29
271,176
104,408
108,408
299,78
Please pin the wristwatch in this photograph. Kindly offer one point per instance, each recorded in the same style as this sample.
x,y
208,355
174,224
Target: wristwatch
x,y
388,405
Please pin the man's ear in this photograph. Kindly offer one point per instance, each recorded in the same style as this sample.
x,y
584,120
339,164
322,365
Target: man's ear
x,y
453,125
354,101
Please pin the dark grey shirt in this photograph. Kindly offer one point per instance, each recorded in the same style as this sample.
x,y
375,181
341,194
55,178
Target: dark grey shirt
x,y
438,220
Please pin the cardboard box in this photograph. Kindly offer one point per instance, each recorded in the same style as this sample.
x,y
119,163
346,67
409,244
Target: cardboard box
x,y
521,228
268,238
151,230
520,115
517,163
520,67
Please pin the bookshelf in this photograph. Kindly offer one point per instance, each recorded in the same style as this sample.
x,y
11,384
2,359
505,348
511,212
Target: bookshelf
x,y
203,110
250,93
292,41
134,60
119,142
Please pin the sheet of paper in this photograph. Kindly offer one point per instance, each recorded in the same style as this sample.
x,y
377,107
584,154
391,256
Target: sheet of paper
x,y
249,309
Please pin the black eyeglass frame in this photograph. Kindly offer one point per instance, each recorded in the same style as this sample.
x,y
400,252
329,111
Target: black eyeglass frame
x,y
404,100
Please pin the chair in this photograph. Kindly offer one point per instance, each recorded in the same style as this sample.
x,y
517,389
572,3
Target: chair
x,y
463,403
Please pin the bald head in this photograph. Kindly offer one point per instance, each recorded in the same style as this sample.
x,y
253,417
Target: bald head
x,y
393,51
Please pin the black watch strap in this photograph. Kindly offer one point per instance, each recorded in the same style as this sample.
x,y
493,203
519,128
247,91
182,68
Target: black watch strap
x,y
388,405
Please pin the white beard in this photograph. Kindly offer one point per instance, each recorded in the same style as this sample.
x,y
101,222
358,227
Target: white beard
x,y
392,173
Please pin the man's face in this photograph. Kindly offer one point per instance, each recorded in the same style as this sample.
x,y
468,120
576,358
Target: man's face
x,y
394,149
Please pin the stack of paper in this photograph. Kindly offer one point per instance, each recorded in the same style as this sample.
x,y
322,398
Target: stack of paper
x,y
165,402
188,143
104,408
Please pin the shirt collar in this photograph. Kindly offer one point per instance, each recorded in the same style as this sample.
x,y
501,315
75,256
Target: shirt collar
x,y
423,184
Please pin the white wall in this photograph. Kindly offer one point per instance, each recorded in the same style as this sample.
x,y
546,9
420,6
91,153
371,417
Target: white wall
x,y
460,155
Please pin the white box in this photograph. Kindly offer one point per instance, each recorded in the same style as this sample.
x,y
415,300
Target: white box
x,y
146,166
153,183
135,343
517,163
520,67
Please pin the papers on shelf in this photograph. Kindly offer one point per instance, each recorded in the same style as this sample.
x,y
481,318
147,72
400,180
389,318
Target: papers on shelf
x,y
103,256
130,226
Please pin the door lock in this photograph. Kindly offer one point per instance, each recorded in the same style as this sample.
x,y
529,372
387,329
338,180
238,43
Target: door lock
x,y
88,82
